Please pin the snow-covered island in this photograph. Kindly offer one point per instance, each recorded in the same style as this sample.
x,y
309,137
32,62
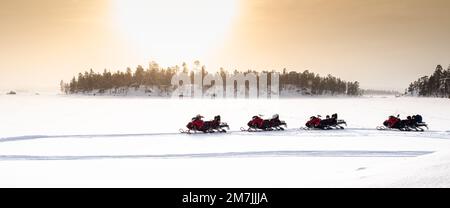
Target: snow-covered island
x,y
156,81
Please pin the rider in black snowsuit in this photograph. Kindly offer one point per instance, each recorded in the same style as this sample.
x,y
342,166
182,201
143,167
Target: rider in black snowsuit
x,y
328,121
275,121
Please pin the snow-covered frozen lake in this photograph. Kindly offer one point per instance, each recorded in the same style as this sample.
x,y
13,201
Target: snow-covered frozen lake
x,y
59,141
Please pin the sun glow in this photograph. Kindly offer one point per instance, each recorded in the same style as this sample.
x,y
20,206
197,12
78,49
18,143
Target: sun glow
x,y
175,30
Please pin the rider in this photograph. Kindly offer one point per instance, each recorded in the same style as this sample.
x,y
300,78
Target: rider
x,y
275,121
334,118
216,122
327,121
410,121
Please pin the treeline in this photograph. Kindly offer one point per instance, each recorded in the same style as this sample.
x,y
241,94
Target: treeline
x,y
90,81
436,85
317,85
155,75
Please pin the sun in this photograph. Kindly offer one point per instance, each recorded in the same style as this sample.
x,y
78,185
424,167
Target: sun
x,y
174,30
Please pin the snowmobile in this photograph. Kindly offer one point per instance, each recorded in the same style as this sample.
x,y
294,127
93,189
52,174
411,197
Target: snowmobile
x,y
412,123
315,122
259,124
212,126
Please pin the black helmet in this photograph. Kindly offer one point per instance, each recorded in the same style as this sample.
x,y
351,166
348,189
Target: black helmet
x,y
255,117
217,117
409,118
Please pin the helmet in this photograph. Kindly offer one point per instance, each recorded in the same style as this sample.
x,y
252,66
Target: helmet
x,y
199,116
409,117
255,117
328,116
217,117
275,116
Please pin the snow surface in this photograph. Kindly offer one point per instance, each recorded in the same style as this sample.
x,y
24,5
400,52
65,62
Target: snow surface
x,y
81,141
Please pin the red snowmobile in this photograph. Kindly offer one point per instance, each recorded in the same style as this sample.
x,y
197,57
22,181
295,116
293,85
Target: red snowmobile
x,y
213,126
411,123
315,122
259,124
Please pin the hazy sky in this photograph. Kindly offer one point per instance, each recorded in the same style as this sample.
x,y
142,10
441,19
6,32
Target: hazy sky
x,y
384,44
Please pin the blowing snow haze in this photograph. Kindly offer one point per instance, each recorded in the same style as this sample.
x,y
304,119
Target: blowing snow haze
x,y
383,44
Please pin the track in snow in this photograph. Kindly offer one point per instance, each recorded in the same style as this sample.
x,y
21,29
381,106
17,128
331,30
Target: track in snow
x,y
229,155
349,132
